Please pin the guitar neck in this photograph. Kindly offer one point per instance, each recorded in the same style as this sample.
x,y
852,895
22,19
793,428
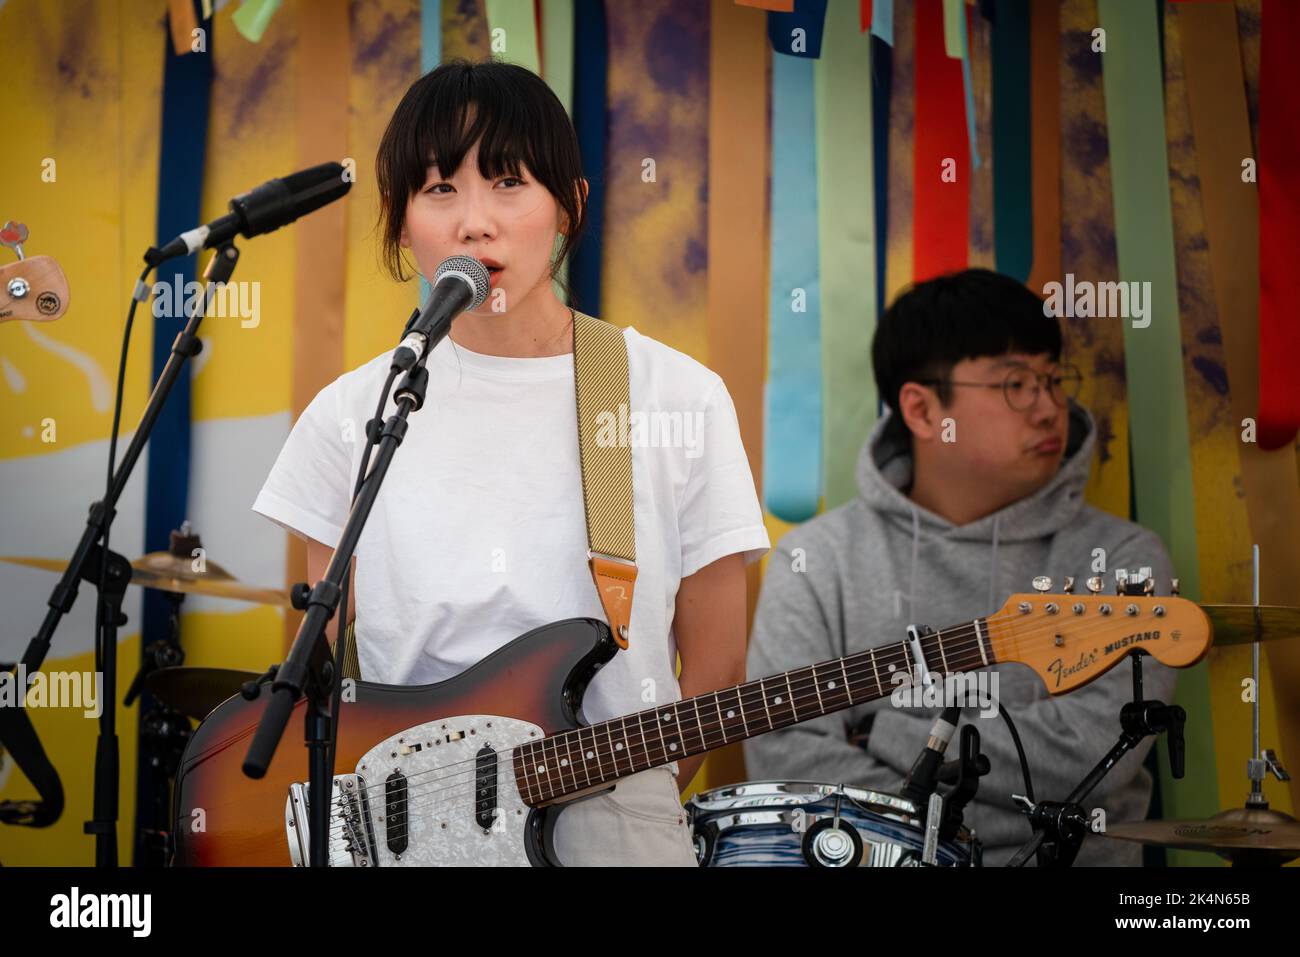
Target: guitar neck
x,y
572,761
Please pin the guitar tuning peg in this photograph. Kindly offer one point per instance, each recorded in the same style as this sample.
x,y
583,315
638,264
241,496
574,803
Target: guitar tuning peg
x,y
1042,583
1173,586
1121,580
14,235
1094,584
1068,586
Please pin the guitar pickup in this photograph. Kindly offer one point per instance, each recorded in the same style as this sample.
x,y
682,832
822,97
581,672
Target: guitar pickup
x,y
485,787
395,811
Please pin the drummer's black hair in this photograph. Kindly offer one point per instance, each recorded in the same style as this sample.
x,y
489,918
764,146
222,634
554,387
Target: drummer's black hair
x,y
509,111
937,323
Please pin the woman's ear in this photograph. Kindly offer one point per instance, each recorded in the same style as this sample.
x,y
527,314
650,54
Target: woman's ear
x,y
582,202
405,239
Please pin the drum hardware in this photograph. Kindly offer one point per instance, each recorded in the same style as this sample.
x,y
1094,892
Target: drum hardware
x,y
933,817
1253,835
964,772
195,692
944,819
163,732
1060,826
806,824
832,842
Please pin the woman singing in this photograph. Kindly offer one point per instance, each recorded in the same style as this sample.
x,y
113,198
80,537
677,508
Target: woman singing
x,y
479,533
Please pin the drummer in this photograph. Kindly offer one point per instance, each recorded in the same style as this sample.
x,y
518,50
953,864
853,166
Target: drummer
x,y
969,486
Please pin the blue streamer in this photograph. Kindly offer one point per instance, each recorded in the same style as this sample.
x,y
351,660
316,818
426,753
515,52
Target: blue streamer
x,y
590,68
882,20
792,460
430,57
187,83
809,16
1013,206
970,94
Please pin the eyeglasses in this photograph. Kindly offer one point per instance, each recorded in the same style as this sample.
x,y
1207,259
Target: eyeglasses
x,y
1022,386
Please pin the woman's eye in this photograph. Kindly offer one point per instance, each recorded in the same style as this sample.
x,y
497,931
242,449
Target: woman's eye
x,y
513,179
435,186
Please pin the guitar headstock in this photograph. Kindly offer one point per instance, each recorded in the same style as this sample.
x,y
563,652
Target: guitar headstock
x,y
1070,639
34,288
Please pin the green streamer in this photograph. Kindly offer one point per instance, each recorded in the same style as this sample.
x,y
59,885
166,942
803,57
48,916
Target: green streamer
x,y
847,243
1153,356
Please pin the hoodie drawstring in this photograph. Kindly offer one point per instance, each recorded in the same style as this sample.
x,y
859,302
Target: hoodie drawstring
x,y
916,541
993,562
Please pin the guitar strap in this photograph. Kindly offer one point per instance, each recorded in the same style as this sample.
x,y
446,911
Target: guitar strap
x,y
600,376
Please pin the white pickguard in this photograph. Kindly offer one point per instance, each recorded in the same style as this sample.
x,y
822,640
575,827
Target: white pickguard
x,y
439,761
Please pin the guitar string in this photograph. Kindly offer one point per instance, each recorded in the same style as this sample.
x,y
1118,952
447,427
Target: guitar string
x,y
744,700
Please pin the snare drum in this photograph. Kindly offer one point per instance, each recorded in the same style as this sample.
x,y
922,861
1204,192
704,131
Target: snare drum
x,y
805,824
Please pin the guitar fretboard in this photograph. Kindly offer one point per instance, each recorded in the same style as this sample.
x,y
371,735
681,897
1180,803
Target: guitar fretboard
x,y
572,761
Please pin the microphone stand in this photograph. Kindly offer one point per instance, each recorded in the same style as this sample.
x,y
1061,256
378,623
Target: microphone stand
x,y
90,557
309,669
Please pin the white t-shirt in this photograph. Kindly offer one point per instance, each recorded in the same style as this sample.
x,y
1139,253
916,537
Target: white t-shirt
x,y
478,534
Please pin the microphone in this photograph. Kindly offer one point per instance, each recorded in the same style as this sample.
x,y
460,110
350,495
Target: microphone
x,y
460,283
924,776
275,203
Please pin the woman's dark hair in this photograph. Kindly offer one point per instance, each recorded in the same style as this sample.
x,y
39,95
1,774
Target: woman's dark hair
x,y
963,315
518,119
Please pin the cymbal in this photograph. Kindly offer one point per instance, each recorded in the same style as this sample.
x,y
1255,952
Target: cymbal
x,y
1243,835
180,566
1235,624
165,572
196,691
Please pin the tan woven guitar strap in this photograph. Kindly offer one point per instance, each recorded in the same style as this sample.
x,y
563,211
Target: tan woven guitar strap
x,y
600,376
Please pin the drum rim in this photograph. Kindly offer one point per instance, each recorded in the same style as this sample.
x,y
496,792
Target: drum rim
x,y
799,791
730,798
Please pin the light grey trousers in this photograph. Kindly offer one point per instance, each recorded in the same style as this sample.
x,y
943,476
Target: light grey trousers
x,y
641,823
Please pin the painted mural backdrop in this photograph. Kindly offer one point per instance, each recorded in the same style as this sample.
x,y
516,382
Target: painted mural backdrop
x,y
654,88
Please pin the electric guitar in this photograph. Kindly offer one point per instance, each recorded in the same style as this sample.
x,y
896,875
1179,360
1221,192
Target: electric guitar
x,y
475,769
34,288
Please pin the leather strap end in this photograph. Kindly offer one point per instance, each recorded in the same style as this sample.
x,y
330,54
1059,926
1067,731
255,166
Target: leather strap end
x,y
615,581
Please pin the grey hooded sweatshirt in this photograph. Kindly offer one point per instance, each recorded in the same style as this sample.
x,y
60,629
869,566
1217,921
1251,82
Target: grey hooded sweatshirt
x,y
854,577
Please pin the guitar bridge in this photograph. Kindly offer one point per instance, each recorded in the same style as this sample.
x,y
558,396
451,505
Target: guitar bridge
x,y
352,837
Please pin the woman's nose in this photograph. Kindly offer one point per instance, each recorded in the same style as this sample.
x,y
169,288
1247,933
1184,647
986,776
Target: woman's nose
x,y
476,217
